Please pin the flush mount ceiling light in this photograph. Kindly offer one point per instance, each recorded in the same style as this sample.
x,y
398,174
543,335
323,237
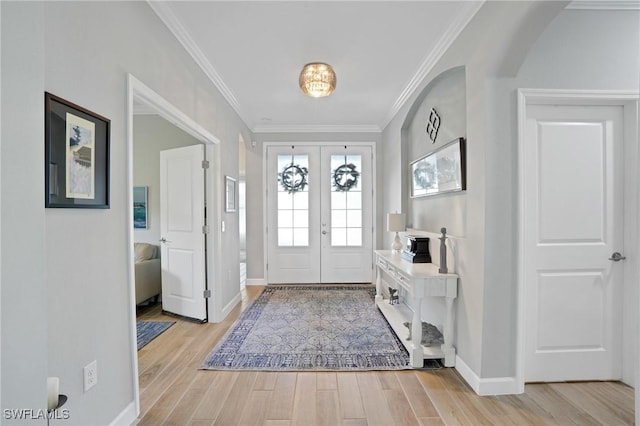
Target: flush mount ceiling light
x,y
317,79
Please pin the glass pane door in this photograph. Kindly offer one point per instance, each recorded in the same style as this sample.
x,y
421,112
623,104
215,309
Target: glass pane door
x,y
319,214
347,214
293,214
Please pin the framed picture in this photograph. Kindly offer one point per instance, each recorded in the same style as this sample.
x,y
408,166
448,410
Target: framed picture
x,y
76,146
440,171
230,194
140,212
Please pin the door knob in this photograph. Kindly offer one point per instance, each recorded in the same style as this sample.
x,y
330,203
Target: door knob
x,y
324,232
617,257
164,240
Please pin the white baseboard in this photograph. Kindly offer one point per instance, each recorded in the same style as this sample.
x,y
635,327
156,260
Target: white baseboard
x,y
490,386
227,309
256,281
127,417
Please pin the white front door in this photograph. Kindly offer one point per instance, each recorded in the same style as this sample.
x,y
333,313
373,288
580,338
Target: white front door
x,y
573,223
182,220
293,207
320,215
347,220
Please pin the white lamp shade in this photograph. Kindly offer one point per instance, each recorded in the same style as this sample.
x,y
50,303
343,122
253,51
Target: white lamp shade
x,y
395,222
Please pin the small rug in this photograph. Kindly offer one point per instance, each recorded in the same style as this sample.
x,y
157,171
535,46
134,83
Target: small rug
x,y
308,327
149,330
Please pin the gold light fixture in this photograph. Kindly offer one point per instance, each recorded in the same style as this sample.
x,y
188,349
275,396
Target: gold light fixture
x,y
317,79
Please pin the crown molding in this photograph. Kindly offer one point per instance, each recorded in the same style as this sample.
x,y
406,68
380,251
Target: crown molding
x,y
338,128
604,5
143,109
166,15
432,58
170,20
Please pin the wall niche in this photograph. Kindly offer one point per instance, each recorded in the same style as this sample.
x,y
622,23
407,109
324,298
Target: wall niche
x,y
446,96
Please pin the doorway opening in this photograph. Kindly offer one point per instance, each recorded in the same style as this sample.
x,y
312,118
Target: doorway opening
x,y
320,215
140,95
242,209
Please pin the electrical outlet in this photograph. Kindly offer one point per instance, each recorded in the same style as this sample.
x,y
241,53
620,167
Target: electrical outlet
x,y
90,375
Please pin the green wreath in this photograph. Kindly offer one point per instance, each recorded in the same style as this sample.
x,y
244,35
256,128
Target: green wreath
x,y
345,177
293,178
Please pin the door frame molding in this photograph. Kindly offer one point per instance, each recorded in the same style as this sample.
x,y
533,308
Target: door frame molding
x,y
142,94
629,101
265,217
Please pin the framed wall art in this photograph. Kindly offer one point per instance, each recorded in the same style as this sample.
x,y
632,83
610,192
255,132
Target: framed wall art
x,y
440,171
140,207
76,156
230,194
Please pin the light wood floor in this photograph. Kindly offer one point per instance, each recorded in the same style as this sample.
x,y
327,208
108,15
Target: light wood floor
x,y
174,392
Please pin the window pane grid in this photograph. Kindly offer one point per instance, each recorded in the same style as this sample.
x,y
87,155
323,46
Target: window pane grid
x,y
346,201
293,201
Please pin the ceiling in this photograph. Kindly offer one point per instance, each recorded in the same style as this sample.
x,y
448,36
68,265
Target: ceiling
x,y
253,52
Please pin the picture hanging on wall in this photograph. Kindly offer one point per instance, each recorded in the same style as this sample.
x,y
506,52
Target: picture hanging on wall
x,y
76,156
140,207
443,170
230,194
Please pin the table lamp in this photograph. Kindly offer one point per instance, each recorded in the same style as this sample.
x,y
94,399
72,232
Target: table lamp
x,y
395,223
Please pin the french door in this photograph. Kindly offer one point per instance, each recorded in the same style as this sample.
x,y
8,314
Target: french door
x,y
319,214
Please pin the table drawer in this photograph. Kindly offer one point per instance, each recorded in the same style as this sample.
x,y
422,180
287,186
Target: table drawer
x,y
382,263
403,279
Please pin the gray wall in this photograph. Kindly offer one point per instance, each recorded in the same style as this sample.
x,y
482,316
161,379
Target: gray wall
x,y
600,51
152,134
24,287
65,299
538,46
478,49
447,95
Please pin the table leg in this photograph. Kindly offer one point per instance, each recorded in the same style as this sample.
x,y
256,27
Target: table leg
x,y
378,297
416,355
447,334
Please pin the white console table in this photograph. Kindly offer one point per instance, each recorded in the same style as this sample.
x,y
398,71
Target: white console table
x,y
420,280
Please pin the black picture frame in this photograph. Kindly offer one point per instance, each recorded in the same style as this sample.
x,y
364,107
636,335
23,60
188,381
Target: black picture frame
x,y
441,171
76,146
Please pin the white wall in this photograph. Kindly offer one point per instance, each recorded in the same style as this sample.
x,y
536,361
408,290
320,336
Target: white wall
x,y
55,323
152,134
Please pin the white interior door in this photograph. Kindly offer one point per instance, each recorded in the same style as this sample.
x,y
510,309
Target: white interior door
x,y
182,221
320,216
573,212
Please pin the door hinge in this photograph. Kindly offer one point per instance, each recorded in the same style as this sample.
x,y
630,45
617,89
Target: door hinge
x,y
205,229
205,164
206,294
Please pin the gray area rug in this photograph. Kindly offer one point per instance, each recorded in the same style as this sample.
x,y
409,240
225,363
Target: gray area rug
x,y
307,327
